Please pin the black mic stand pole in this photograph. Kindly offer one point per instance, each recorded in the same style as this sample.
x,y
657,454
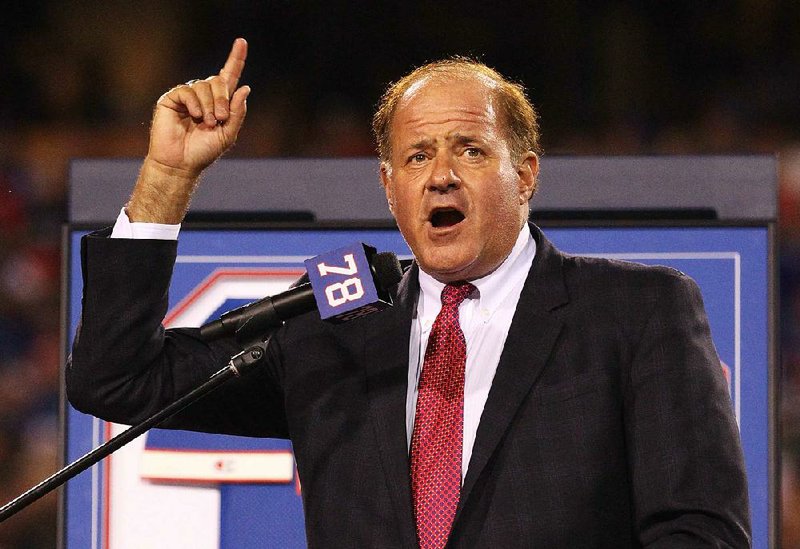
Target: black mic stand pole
x,y
238,366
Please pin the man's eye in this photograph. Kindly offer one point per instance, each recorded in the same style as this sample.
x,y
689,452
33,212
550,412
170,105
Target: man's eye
x,y
473,152
417,158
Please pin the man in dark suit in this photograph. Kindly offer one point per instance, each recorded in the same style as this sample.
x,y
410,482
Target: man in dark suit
x,y
590,409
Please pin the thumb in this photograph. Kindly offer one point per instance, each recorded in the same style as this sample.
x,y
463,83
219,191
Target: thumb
x,y
238,109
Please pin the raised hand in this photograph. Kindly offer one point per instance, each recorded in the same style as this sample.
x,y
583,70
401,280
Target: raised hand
x,y
193,125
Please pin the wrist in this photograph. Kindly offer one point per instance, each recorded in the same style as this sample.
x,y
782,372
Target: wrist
x,y
159,170
162,193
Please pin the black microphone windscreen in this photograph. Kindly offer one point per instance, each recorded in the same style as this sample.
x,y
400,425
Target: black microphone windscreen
x,y
387,269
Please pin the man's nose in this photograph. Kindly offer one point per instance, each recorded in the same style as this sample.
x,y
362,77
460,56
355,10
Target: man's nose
x,y
443,177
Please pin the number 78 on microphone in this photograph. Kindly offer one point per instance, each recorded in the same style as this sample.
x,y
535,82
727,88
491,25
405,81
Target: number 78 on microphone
x,y
344,283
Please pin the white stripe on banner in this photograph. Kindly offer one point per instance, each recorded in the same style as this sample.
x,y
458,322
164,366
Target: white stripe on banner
x,y
213,467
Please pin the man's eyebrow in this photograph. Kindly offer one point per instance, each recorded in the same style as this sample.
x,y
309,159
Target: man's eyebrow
x,y
457,138
463,139
423,143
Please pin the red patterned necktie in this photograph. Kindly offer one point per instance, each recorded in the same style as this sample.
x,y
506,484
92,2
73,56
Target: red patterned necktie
x,y
439,424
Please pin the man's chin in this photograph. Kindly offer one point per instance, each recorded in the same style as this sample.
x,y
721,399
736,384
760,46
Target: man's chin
x,y
448,271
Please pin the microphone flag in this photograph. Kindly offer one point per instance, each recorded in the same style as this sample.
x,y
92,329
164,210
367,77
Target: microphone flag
x,y
345,285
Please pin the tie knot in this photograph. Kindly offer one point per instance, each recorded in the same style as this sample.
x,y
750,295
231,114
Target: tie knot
x,y
453,294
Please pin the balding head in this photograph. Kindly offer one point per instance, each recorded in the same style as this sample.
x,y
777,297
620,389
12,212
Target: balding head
x,y
516,113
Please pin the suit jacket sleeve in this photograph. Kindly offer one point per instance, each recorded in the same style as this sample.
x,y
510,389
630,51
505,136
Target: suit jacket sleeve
x,y
125,366
687,468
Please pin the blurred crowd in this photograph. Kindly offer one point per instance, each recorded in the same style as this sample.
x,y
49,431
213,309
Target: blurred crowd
x,y
80,78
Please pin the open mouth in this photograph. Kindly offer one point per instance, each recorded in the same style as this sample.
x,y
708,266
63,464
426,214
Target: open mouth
x,y
446,217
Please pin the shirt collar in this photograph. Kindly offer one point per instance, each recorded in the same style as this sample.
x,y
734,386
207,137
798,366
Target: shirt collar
x,y
492,288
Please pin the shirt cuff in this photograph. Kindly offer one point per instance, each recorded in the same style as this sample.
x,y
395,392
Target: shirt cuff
x,y
125,228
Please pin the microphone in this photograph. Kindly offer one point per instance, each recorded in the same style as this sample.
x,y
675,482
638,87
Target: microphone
x,y
345,284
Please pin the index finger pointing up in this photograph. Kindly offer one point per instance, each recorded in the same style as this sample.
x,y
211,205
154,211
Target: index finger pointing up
x,y
234,65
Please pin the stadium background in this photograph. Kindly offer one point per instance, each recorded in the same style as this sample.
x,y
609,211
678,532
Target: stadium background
x,y
79,79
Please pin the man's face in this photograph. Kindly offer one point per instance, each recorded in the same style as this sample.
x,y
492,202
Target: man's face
x,y
458,198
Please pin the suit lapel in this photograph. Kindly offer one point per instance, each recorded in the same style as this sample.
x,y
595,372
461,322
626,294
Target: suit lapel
x,y
530,341
386,359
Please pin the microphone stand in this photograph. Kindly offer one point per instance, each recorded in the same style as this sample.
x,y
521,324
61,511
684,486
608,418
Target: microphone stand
x,y
238,366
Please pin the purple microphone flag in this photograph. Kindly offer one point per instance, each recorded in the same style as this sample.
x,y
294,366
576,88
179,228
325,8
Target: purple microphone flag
x,y
344,283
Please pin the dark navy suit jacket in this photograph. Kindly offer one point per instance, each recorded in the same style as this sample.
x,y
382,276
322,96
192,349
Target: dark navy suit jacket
x,y
608,423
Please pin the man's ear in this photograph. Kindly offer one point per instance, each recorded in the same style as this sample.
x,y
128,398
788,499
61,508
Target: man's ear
x,y
528,172
386,178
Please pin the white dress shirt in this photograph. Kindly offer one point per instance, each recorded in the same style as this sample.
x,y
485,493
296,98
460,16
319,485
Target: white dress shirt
x,y
485,318
125,228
